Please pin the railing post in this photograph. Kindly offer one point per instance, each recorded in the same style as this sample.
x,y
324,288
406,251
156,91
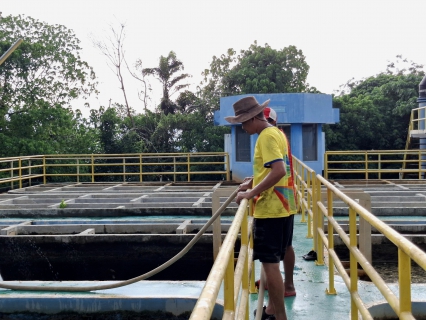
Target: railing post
x,y
93,168
174,170
78,170
20,172
314,215
29,172
320,224
44,170
11,174
353,262
253,270
309,194
404,273
302,192
366,165
326,165
365,230
331,289
189,167
228,169
217,228
228,286
244,242
124,169
379,165
140,168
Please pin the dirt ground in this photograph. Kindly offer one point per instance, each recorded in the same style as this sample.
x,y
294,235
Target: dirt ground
x,y
389,272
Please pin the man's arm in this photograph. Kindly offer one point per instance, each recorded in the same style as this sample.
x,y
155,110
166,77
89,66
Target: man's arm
x,y
246,184
277,172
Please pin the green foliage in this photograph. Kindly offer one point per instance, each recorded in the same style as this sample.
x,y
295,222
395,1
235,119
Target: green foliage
x,y
37,83
255,70
46,66
265,70
63,205
158,132
375,113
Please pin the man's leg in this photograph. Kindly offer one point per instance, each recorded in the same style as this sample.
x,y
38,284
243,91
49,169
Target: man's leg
x,y
275,291
288,263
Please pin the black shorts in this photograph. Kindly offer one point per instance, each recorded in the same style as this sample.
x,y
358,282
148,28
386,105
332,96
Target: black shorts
x,y
271,238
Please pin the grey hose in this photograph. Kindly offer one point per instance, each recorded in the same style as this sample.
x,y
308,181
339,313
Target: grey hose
x,y
136,279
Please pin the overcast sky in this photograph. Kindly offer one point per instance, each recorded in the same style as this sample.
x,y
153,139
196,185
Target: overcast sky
x,y
340,39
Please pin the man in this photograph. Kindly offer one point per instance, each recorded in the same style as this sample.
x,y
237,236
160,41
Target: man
x,y
273,198
289,257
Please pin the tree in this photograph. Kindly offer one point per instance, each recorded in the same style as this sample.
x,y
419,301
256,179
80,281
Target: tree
x,y
255,70
375,112
167,73
116,56
43,129
45,67
113,50
37,84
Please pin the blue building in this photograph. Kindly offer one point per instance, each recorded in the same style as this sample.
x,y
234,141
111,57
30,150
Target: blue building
x,y
300,116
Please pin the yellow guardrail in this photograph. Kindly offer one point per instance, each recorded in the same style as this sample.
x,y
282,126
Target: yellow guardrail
x,y
125,167
19,170
304,177
383,164
407,251
235,280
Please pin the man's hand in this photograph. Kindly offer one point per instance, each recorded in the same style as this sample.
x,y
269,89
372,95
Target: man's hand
x,y
246,184
243,195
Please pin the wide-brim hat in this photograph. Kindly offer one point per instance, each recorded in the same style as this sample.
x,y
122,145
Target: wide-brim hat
x,y
245,109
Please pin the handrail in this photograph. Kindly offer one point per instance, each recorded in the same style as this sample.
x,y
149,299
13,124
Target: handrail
x,y
303,176
223,271
407,251
374,164
121,167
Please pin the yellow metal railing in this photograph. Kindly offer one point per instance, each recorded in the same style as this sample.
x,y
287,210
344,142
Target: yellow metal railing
x,y
304,176
383,164
407,251
235,280
15,171
19,170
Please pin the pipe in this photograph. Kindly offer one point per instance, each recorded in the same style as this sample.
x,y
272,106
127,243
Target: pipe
x,y
9,51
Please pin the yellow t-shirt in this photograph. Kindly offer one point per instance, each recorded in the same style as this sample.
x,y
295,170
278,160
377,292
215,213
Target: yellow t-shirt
x,y
277,201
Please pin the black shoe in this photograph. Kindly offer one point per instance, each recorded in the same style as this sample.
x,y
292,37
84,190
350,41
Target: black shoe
x,y
265,316
312,255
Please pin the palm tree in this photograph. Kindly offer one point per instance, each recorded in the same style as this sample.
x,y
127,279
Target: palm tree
x,y
166,73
